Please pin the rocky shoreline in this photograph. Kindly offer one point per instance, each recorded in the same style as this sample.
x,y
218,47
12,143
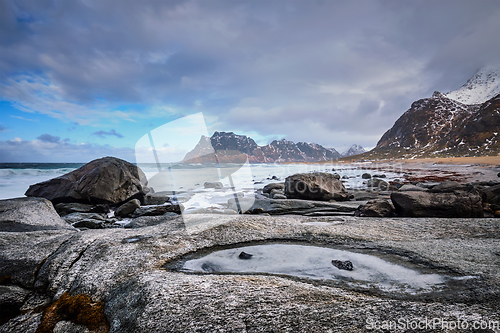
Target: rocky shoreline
x,y
55,277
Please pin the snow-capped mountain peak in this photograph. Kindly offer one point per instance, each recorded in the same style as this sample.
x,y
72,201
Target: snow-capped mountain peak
x,y
482,86
354,150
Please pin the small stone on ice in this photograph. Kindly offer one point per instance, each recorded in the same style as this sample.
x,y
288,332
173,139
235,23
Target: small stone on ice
x,y
345,265
245,256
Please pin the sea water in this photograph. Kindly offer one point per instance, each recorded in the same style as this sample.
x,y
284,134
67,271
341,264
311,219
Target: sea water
x,y
313,262
187,180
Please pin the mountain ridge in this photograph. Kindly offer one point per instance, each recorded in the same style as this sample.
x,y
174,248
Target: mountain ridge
x,y
482,86
228,147
441,127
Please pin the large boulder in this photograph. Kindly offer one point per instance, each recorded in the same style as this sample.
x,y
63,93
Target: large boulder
x,y
315,186
459,203
375,208
107,180
377,183
29,214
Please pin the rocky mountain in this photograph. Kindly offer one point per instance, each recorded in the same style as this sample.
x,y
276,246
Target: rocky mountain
x,y
353,150
442,127
227,147
482,86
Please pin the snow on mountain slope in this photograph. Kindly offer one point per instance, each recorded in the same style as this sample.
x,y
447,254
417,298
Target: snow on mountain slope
x,y
354,150
484,85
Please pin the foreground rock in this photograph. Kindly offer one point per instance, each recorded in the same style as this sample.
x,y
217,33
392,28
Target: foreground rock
x,y
107,180
273,186
29,214
296,207
158,210
75,207
375,208
459,203
128,208
118,276
315,186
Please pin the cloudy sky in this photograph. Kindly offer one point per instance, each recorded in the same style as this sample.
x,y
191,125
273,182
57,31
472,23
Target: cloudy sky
x,y
89,78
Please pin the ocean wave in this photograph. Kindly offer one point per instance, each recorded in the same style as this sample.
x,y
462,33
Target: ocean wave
x,y
8,173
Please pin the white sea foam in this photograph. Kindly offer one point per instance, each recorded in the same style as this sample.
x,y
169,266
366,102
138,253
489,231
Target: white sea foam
x,y
191,177
14,182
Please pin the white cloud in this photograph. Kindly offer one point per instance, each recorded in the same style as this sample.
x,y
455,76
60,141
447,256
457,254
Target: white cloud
x,y
18,150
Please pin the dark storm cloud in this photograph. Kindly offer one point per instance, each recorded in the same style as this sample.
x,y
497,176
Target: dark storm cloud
x,y
334,72
48,138
103,134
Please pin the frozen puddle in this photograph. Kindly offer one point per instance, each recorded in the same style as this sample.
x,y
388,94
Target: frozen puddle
x,y
313,262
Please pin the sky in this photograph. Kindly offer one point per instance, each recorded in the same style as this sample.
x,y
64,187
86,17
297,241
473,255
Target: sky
x,y
84,79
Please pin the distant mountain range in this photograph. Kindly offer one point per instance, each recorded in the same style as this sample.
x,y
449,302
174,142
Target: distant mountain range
x,y
227,147
465,122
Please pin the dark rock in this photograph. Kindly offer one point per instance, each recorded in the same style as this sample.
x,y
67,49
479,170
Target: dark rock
x,y
174,219
76,217
106,180
445,204
276,191
156,199
279,196
362,195
89,224
216,185
262,195
345,265
427,185
11,300
366,176
379,176
375,208
315,186
498,174
273,186
245,256
29,214
274,178
336,176
75,207
377,183
295,206
491,194
345,177
127,208
447,186
158,210
410,187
